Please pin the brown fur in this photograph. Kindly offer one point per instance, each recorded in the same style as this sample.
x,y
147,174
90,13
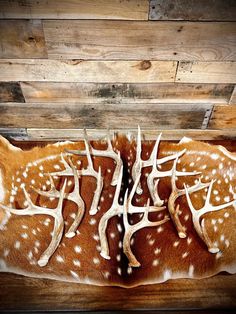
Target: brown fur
x,y
159,249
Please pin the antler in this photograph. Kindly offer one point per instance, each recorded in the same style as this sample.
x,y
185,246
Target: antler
x,y
155,173
73,196
68,171
56,213
131,229
109,152
117,209
176,193
197,214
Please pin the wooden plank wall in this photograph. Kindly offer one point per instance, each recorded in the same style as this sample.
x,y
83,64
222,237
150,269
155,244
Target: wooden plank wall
x,y
97,64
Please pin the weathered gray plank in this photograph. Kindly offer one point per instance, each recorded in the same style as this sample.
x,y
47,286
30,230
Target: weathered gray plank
x,y
192,10
134,40
79,9
126,93
22,39
223,117
87,71
32,294
34,134
65,115
11,92
206,72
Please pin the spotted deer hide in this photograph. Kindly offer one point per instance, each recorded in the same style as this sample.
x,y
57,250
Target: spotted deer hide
x,y
119,212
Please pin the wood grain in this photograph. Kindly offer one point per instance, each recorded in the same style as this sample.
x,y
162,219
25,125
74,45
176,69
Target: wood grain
x,y
126,93
191,10
87,71
35,134
206,72
22,39
65,115
11,92
223,117
134,40
79,9
21,293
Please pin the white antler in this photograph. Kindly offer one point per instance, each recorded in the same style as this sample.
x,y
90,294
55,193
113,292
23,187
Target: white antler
x,y
176,193
89,171
117,209
155,173
109,152
197,215
56,213
131,229
73,196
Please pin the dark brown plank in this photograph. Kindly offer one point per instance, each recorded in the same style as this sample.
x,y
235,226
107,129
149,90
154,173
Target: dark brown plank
x,y
40,294
11,92
192,10
79,9
22,39
223,117
126,93
65,115
132,40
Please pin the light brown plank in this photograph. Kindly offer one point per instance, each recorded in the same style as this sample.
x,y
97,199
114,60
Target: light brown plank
x,y
40,294
33,134
22,39
232,100
79,9
87,71
223,117
126,93
11,92
192,10
133,40
65,115
206,72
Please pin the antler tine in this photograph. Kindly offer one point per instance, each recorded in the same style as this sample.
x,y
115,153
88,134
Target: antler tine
x,y
115,209
209,193
109,145
131,229
97,194
137,166
66,172
87,148
171,157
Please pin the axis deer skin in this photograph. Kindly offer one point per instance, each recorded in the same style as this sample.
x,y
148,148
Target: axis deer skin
x,y
122,212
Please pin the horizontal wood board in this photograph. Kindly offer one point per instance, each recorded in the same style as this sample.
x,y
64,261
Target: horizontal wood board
x,y
11,92
125,93
206,72
22,39
87,71
23,293
134,40
98,116
79,9
192,10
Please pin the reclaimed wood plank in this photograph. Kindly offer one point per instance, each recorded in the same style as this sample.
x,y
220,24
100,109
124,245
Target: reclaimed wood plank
x,y
232,100
65,115
126,93
36,134
191,10
76,39
79,9
22,293
87,71
22,39
223,117
206,72
11,92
